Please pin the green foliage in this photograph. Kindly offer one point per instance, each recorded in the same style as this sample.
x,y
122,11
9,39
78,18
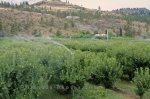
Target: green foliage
x,y
133,57
26,68
21,75
15,27
107,71
142,81
1,27
5,4
90,92
65,26
88,46
130,55
123,56
74,72
110,72
128,28
95,32
58,33
36,33
82,34
72,24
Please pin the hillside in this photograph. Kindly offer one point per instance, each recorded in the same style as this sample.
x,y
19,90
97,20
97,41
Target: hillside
x,y
56,5
65,19
133,11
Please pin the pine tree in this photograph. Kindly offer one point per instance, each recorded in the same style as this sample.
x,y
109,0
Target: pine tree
x,y
65,26
128,28
14,28
72,24
1,27
121,34
147,27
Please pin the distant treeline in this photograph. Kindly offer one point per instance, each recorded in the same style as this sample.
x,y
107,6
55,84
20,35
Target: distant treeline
x,y
134,11
135,14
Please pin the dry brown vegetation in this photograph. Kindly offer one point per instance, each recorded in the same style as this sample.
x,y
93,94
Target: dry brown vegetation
x,y
24,22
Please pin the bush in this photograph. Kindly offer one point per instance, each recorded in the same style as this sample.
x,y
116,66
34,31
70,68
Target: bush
x,y
124,57
88,46
111,71
26,68
20,73
36,33
107,71
74,72
58,33
142,81
82,34
130,55
134,56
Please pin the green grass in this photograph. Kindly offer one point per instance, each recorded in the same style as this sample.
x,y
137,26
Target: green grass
x,y
126,86
130,88
147,95
51,94
96,92
88,92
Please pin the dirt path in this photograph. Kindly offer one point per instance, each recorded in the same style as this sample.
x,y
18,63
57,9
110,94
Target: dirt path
x,y
125,94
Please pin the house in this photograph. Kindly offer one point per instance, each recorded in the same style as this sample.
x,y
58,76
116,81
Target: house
x,y
73,17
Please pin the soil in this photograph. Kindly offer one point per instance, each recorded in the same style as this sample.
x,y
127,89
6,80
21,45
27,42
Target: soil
x,y
125,94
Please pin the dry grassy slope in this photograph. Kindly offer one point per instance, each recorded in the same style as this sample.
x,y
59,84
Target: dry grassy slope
x,y
29,21
56,5
47,24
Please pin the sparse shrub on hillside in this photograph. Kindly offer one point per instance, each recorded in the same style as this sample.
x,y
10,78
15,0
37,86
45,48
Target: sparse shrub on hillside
x,y
121,31
15,27
1,27
36,33
142,81
128,28
51,30
65,26
95,32
72,24
26,25
52,22
58,33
